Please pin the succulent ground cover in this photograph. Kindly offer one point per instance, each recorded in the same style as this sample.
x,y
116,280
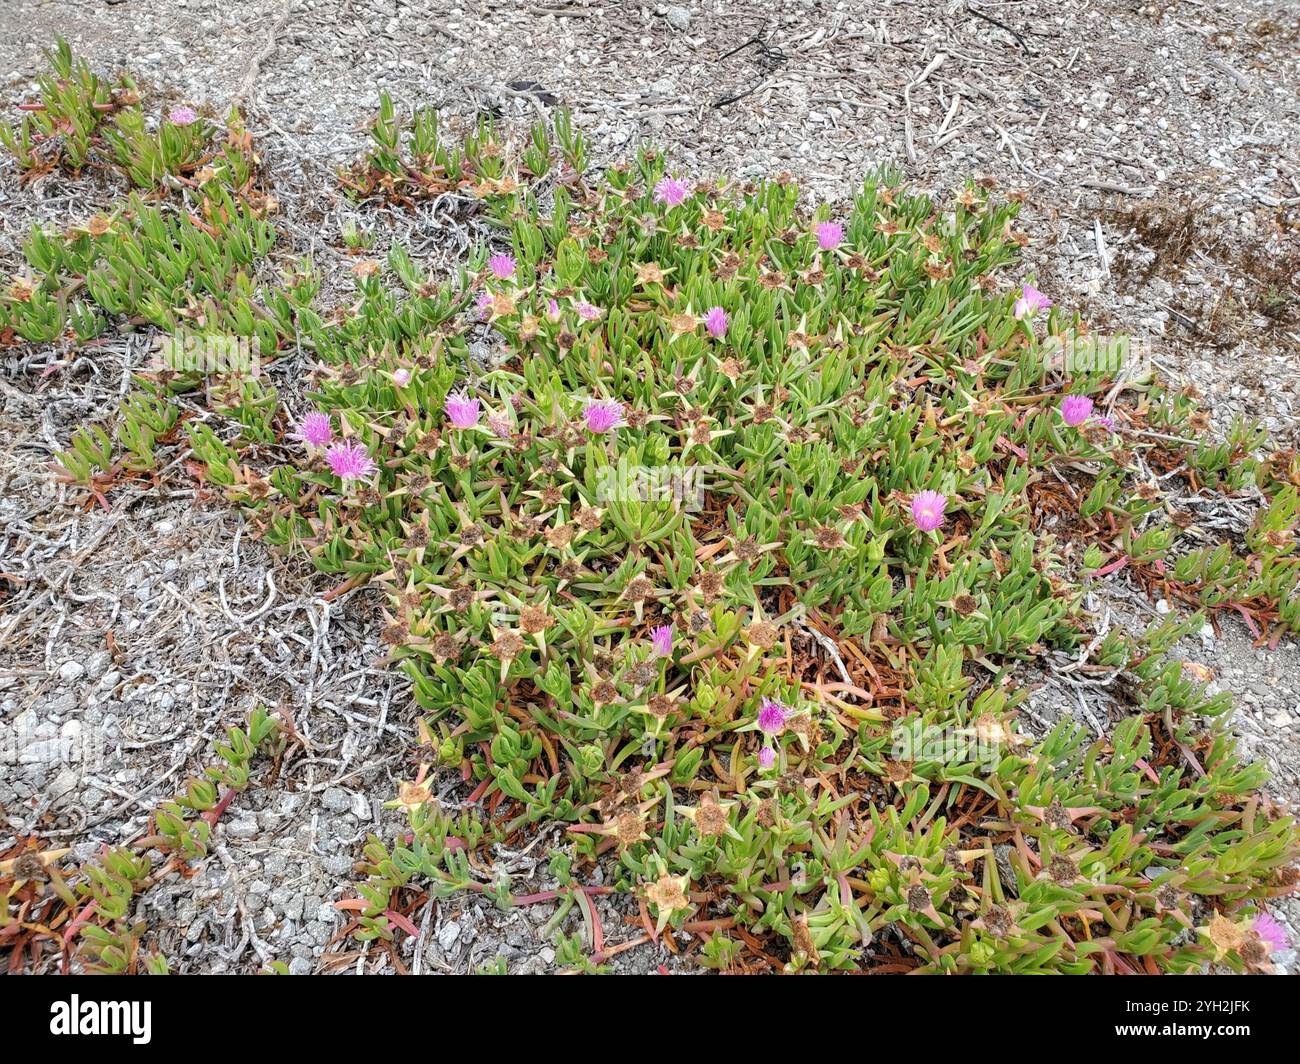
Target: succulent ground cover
x,y
724,559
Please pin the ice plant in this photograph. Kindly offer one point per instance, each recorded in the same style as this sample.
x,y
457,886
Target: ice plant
x,y
315,430
502,266
1270,932
484,305
715,321
553,310
766,757
671,191
927,510
601,415
1031,301
461,410
586,311
662,640
1075,409
182,116
349,461
771,716
829,235
401,376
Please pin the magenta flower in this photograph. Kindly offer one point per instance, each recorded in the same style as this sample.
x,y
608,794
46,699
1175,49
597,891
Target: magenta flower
x,y
587,311
716,322
601,415
484,305
315,430
183,116
401,376
662,638
1031,301
1270,931
671,191
927,510
462,410
553,310
349,461
829,235
1075,409
1105,422
771,716
503,266
766,757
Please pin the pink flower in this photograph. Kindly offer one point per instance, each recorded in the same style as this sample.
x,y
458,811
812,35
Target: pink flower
x,y
1270,931
502,424
587,311
183,116
829,235
1105,422
484,305
671,191
315,430
771,716
766,757
349,461
1075,409
553,310
662,639
601,415
927,510
401,376
503,266
716,322
462,410
1031,300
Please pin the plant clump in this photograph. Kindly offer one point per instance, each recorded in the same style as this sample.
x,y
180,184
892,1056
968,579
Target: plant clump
x,y
727,555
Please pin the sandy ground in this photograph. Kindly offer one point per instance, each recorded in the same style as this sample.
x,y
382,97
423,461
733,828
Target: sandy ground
x,y
1157,146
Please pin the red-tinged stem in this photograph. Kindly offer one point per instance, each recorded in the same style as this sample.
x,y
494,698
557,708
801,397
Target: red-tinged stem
x,y
1120,962
214,814
79,921
1114,566
402,922
1250,621
593,922
1151,773
552,895
343,588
